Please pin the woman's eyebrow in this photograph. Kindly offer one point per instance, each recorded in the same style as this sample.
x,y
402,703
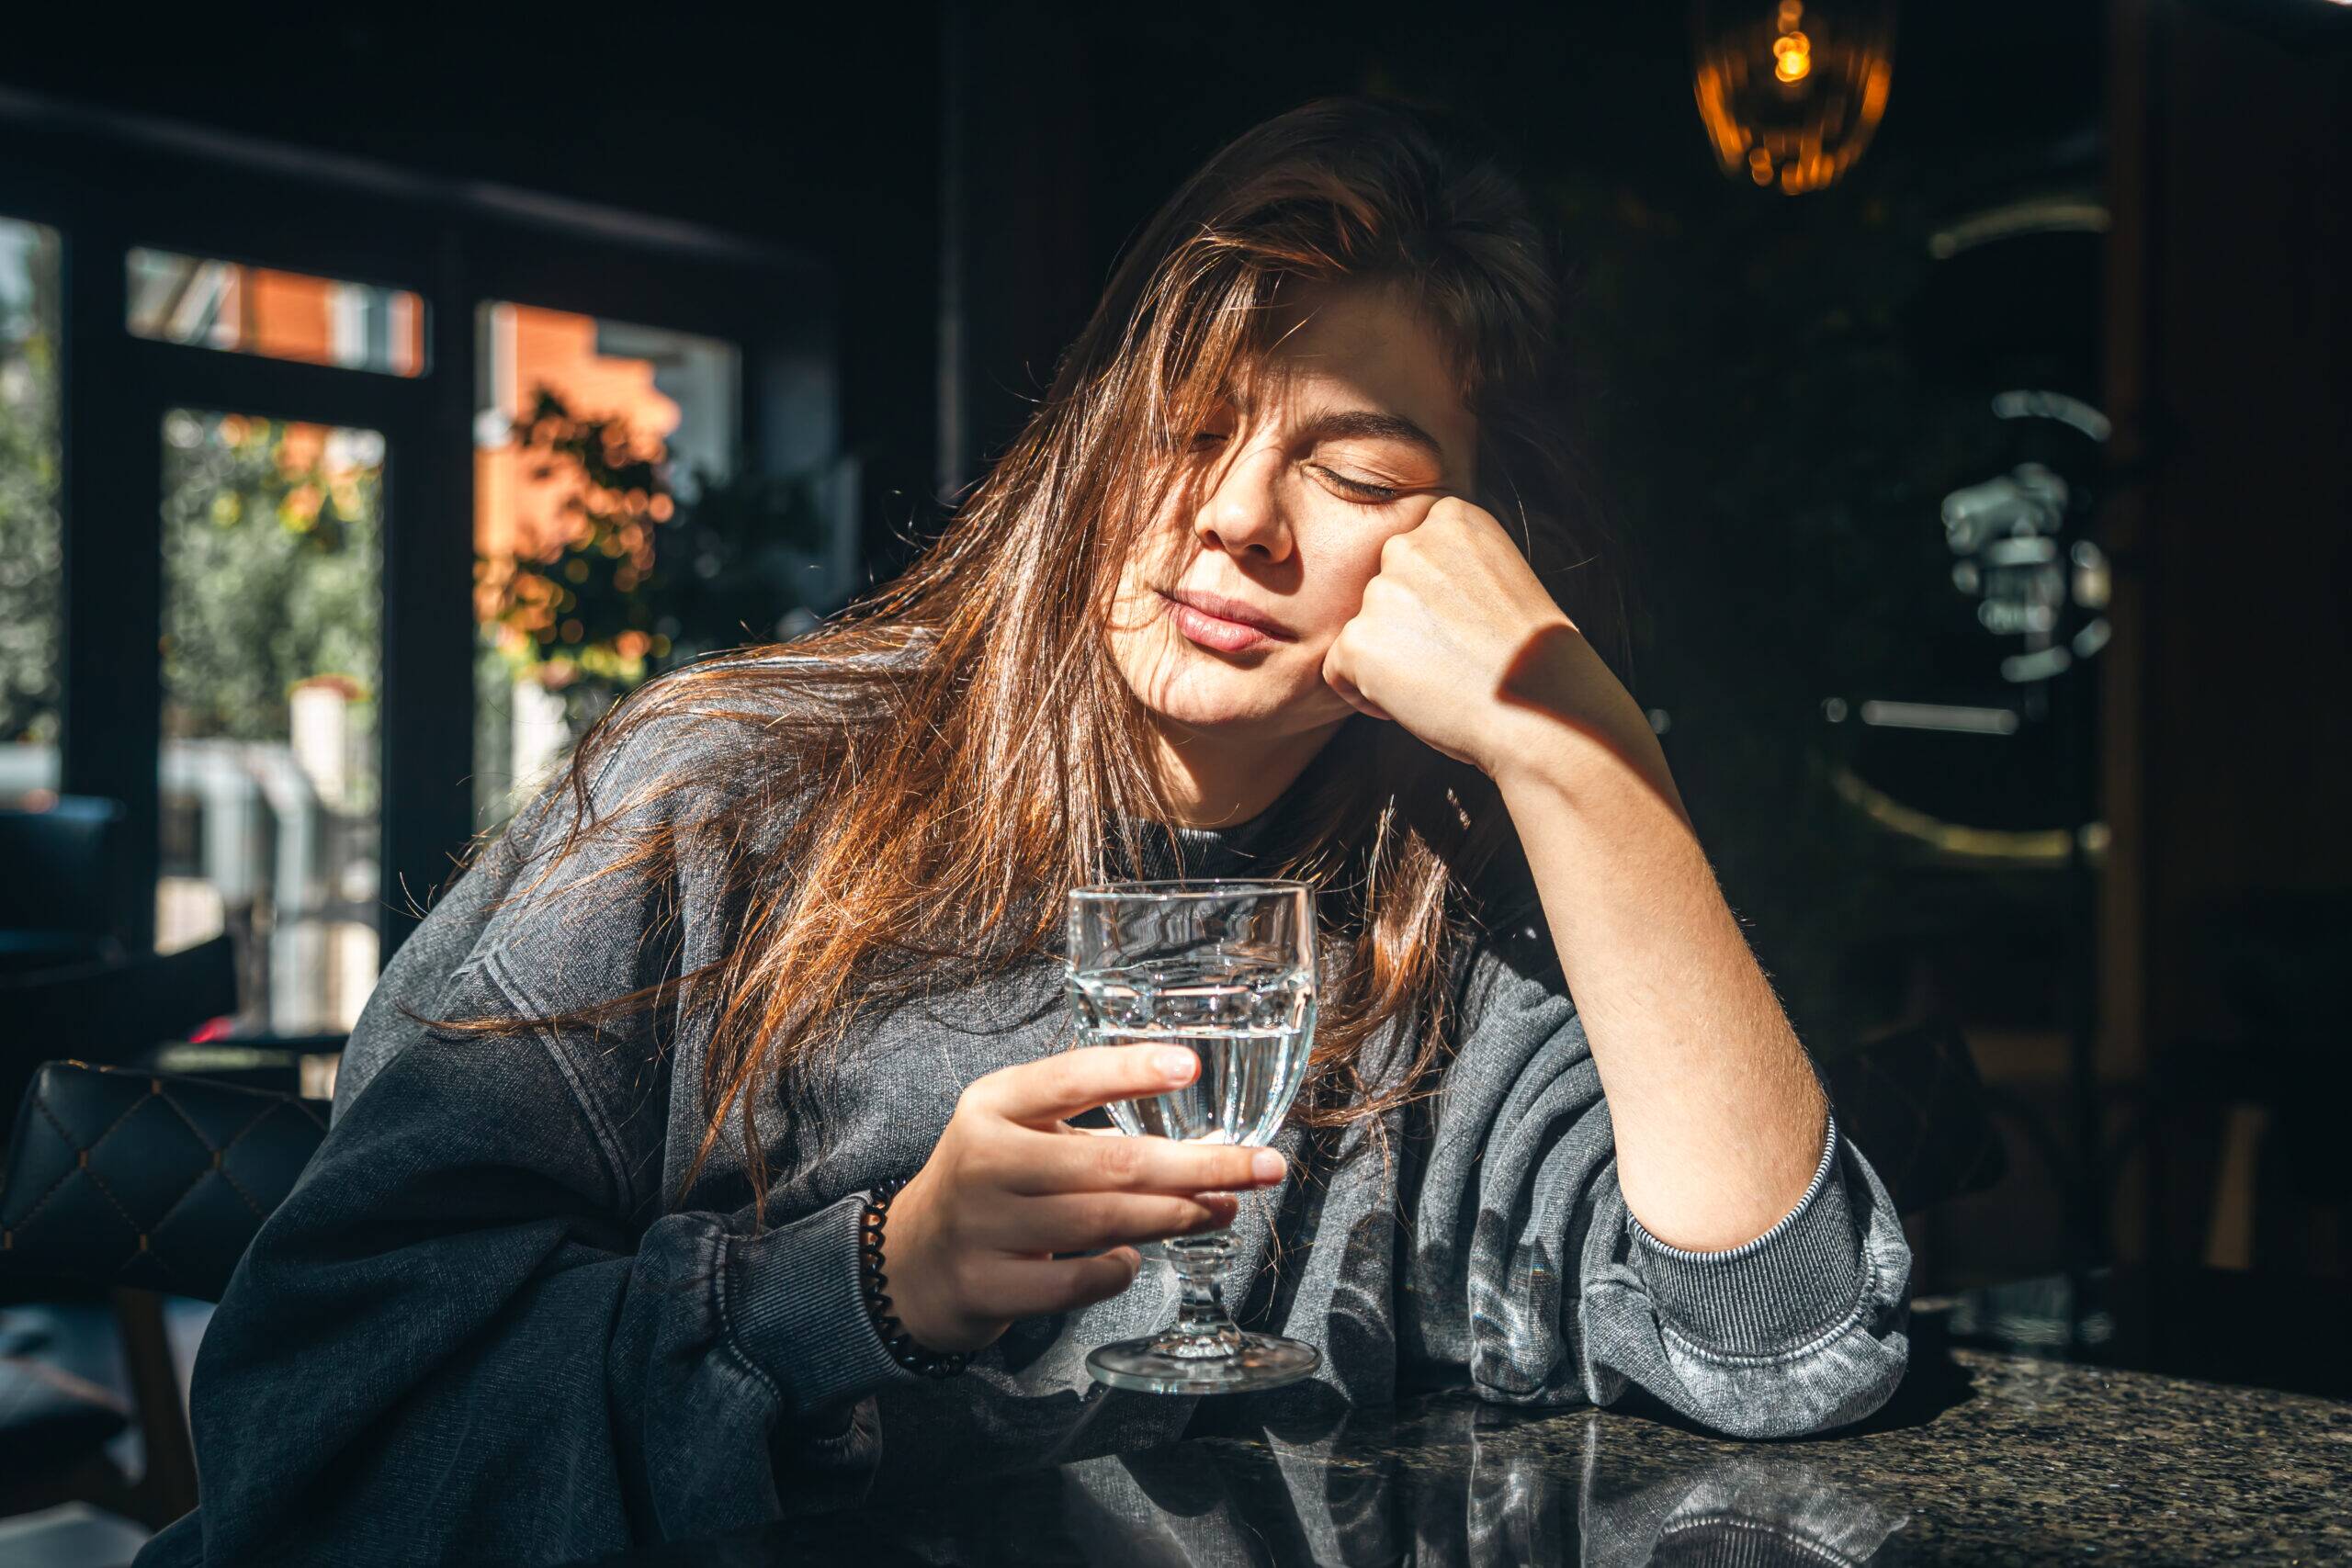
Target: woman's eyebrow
x,y
1371,425
1353,423
1368,424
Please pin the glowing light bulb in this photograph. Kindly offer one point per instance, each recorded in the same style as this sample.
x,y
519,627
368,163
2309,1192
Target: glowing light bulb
x,y
1791,57
1800,125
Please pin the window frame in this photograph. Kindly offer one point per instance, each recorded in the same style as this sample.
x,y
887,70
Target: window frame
x,y
457,247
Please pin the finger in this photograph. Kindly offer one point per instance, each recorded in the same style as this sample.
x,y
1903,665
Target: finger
x,y
1364,705
1087,1222
1048,1164
1021,1287
1040,1093
1336,677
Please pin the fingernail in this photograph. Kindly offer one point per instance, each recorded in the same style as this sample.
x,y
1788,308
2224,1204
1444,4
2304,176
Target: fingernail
x,y
1176,1064
1267,1166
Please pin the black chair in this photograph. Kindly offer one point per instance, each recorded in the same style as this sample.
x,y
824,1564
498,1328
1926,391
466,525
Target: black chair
x,y
113,1011
62,900
138,1183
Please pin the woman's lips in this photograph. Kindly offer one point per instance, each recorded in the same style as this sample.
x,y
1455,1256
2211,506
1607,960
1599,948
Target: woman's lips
x,y
1208,629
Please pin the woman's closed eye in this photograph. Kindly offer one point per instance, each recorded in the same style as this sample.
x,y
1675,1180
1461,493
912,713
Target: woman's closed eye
x,y
1367,490
1363,490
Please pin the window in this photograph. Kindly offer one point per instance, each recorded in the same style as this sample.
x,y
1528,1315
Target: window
x,y
272,609
31,544
590,434
278,315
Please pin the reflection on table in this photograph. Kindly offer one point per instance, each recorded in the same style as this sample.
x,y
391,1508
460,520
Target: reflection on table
x,y
1981,1456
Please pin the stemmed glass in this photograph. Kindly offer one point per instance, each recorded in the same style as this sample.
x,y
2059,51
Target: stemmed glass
x,y
1226,969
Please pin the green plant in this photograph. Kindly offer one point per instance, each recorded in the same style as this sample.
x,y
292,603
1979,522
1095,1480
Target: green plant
x,y
575,612
646,577
272,562
32,562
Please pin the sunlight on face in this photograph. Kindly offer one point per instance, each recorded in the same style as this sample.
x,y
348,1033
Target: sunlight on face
x,y
1347,434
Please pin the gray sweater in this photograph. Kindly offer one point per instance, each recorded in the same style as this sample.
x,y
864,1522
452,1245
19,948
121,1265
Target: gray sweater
x,y
478,1330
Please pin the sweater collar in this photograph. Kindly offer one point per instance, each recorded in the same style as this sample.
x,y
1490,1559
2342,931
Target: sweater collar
x,y
1234,849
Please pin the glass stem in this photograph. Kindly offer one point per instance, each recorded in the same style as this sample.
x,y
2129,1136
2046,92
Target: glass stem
x,y
1203,1326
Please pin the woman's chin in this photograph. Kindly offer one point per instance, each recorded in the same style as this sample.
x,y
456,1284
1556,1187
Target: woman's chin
x,y
1231,701
1199,688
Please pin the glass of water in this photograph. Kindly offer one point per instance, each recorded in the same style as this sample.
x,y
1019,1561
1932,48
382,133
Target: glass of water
x,y
1226,969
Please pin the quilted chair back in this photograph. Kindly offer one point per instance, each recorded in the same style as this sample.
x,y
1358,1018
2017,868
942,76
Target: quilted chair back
x,y
157,1182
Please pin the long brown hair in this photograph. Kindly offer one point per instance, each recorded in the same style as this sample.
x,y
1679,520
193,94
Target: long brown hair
x,y
916,830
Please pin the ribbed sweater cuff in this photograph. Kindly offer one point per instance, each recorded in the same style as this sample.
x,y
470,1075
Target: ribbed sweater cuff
x,y
795,1306
1772,1294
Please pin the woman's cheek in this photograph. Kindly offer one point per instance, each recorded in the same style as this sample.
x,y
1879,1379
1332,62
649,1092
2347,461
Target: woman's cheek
x,y
1356,575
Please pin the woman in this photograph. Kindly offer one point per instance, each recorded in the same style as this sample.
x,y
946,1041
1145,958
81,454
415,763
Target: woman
x,y
1261,589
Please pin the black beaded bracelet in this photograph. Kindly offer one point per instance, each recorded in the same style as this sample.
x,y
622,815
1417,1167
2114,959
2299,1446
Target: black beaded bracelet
x,y
895,1337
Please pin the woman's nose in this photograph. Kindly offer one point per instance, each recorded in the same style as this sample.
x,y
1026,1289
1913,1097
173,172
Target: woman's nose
x,y
1245,512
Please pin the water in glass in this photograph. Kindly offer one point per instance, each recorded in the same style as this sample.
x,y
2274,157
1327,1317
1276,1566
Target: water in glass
x,y
1250,1021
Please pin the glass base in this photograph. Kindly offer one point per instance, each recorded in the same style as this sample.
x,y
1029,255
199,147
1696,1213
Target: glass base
x,y
1263,1360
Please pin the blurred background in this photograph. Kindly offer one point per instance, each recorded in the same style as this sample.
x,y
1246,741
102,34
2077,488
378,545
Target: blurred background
x,y
1969,390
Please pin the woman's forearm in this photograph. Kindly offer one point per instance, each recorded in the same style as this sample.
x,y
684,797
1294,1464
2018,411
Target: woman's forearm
x,y
1718,1119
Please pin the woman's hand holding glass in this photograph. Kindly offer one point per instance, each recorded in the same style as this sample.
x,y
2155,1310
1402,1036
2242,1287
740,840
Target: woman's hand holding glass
x,y
973,1238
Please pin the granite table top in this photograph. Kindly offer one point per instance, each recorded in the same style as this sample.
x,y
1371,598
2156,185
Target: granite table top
x,y
1983,1456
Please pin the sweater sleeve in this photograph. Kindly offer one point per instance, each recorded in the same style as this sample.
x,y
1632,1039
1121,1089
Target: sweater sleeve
x,y
477,1329
445,1346
1525,1270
